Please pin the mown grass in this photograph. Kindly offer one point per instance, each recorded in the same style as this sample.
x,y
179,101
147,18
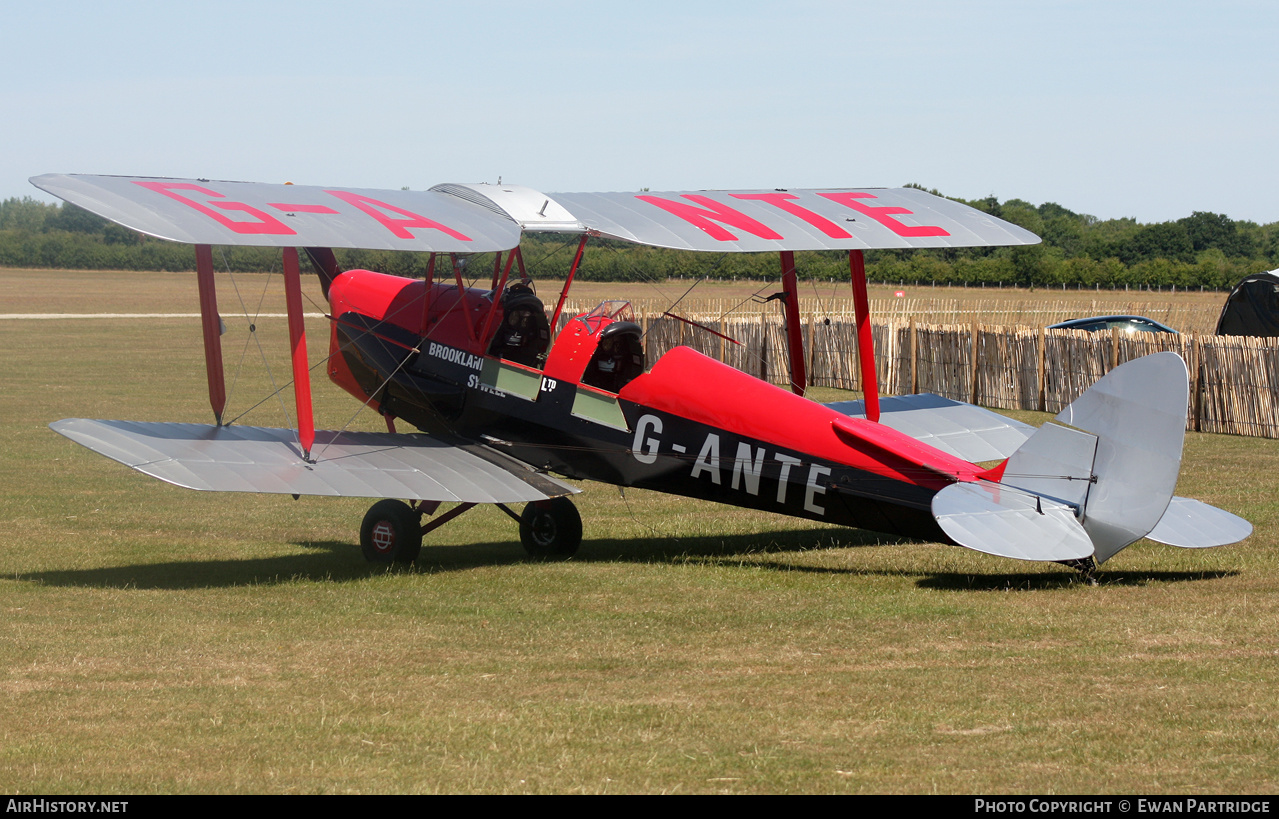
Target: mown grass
x,y
159,640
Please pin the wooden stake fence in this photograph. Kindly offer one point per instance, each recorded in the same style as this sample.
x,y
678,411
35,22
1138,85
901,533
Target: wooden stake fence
x,y
1234,379
1003,311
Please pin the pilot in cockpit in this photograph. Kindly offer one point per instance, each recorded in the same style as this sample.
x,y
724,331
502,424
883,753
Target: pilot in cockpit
x,y
525,333
618,358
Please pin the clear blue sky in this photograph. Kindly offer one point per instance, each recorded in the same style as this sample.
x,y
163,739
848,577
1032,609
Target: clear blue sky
x,y
1143,109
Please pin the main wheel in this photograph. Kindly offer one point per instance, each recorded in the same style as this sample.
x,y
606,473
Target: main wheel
x,y
551,528
391,531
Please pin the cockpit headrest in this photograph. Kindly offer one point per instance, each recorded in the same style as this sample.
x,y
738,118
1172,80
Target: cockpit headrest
x,y
620,328
523,299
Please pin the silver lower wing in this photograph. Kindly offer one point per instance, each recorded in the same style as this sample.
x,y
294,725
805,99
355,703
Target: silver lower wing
x,y
966,431
346,464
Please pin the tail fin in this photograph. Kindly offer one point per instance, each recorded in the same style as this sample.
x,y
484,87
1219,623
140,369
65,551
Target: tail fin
x,y
1089,488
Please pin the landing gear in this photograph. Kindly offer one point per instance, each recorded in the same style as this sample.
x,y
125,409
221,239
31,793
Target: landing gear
x,y
392,531
551,528
1086,566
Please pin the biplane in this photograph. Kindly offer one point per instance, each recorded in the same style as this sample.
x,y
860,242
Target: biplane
x,y
503,397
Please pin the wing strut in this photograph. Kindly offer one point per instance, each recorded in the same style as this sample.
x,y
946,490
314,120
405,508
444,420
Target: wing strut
x,y
794,332
297,343
212,330
499,285
497,270
519,258
461,303
865,340
568,282
426,293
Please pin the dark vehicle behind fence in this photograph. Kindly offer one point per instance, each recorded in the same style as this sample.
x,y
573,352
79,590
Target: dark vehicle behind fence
x,y
1252,308
1130,324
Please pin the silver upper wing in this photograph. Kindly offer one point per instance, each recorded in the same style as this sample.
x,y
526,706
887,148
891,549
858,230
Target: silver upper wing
x,y
760,220
478,218
200,211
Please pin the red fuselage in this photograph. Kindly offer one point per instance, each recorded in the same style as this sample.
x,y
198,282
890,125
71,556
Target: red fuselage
x,y
690,426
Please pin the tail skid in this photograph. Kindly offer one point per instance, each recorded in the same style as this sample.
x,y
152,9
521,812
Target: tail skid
x,y
1096,482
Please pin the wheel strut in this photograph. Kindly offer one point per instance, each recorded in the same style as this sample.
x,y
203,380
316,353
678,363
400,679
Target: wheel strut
x,y
447,516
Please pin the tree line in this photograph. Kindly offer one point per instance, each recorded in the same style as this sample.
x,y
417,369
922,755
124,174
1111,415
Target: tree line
x,y
1204,249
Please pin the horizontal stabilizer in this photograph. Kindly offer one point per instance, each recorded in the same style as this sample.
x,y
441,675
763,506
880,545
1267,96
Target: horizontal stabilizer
x,y
346,464
1193,524
997,520
964,430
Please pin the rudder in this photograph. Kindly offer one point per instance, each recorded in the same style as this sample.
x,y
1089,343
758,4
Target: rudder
x,y
1110,466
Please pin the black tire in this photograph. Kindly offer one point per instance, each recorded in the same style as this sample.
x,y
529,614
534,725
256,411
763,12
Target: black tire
x,y
551,529
391,532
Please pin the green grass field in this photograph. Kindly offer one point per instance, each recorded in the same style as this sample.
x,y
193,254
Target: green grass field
x,y
155,639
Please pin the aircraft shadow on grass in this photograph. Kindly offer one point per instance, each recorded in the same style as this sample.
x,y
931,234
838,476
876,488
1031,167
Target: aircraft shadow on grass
x,y
333,561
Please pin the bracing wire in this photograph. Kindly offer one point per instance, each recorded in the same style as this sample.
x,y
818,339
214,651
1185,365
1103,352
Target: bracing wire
x,y
644,277
253,336
404,362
